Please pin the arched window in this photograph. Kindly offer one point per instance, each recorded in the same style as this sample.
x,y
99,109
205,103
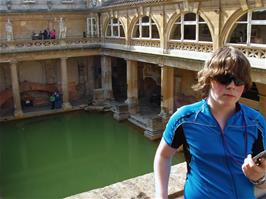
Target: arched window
x,y
189,27
115,28
250,28
145,28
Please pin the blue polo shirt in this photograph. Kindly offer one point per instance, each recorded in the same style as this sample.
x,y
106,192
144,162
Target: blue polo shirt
x,y
215,156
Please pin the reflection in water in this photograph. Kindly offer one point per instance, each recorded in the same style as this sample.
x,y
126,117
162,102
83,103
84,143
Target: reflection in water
x,y
61,155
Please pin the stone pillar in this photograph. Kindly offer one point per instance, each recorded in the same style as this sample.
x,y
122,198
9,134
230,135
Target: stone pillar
x,y
15,90
64,83
167,90
262,94
163,40
132,86
216,16
106,68
90,83
217,41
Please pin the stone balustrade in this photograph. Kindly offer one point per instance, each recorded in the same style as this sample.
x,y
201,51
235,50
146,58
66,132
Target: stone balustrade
x,y
251,51
20,45
28,44
87,40
257,52
146,42
206,47
120,41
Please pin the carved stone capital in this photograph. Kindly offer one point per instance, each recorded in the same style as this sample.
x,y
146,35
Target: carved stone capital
x,y
244,4
13,62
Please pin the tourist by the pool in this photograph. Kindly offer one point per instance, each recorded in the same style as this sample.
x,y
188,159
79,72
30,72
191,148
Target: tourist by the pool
x,y
52,100
219,135
57,99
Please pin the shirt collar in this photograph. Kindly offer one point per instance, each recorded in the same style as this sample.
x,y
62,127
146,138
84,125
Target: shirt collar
x,y
205,109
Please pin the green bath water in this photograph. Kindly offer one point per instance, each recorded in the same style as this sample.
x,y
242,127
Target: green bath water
x,y
65,154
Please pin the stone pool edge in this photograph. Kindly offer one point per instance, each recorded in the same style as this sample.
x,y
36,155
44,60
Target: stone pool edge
x,y
138,187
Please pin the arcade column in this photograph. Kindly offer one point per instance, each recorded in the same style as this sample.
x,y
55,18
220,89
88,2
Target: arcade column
x,y
64,84
15,90
167,90
132,86
106,68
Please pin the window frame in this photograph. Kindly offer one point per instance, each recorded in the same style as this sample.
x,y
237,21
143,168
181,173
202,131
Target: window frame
x,y
92,30
118,24
249,22
141,24
181,21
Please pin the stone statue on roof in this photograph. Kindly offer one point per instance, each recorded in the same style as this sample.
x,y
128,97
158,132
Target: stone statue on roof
x,y
93,3
9,31
62,28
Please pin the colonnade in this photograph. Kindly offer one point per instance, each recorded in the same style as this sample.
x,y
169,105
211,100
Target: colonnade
x,y
18,113
167,90
167,87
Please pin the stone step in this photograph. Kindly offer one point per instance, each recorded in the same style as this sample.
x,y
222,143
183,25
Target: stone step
x,y
137,122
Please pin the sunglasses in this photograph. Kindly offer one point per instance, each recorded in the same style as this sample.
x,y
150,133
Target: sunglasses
x,y
227,79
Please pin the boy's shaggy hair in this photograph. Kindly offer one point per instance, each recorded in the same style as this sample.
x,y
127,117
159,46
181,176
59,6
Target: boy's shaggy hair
x,y
223,61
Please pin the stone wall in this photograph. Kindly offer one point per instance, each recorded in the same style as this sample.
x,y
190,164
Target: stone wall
x,y
142,187
139,187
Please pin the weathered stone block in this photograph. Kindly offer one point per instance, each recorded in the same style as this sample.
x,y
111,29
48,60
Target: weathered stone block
x,y
121,108
121,112
98,96
155,123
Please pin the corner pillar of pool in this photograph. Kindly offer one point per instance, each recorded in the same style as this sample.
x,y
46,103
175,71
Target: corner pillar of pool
x,y
132,86
15,89
167,91
106,68
64,76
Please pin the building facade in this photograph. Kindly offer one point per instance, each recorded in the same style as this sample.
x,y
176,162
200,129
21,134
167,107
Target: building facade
x,y
134,51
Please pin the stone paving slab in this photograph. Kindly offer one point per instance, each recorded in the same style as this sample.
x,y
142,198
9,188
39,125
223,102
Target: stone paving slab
x,y
141,187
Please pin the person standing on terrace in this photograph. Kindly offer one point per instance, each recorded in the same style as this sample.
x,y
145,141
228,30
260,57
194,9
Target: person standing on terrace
x,y
53,34
219,135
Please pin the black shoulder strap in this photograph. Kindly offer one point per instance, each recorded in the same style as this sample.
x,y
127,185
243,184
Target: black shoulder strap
x,y
258,144
179,139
